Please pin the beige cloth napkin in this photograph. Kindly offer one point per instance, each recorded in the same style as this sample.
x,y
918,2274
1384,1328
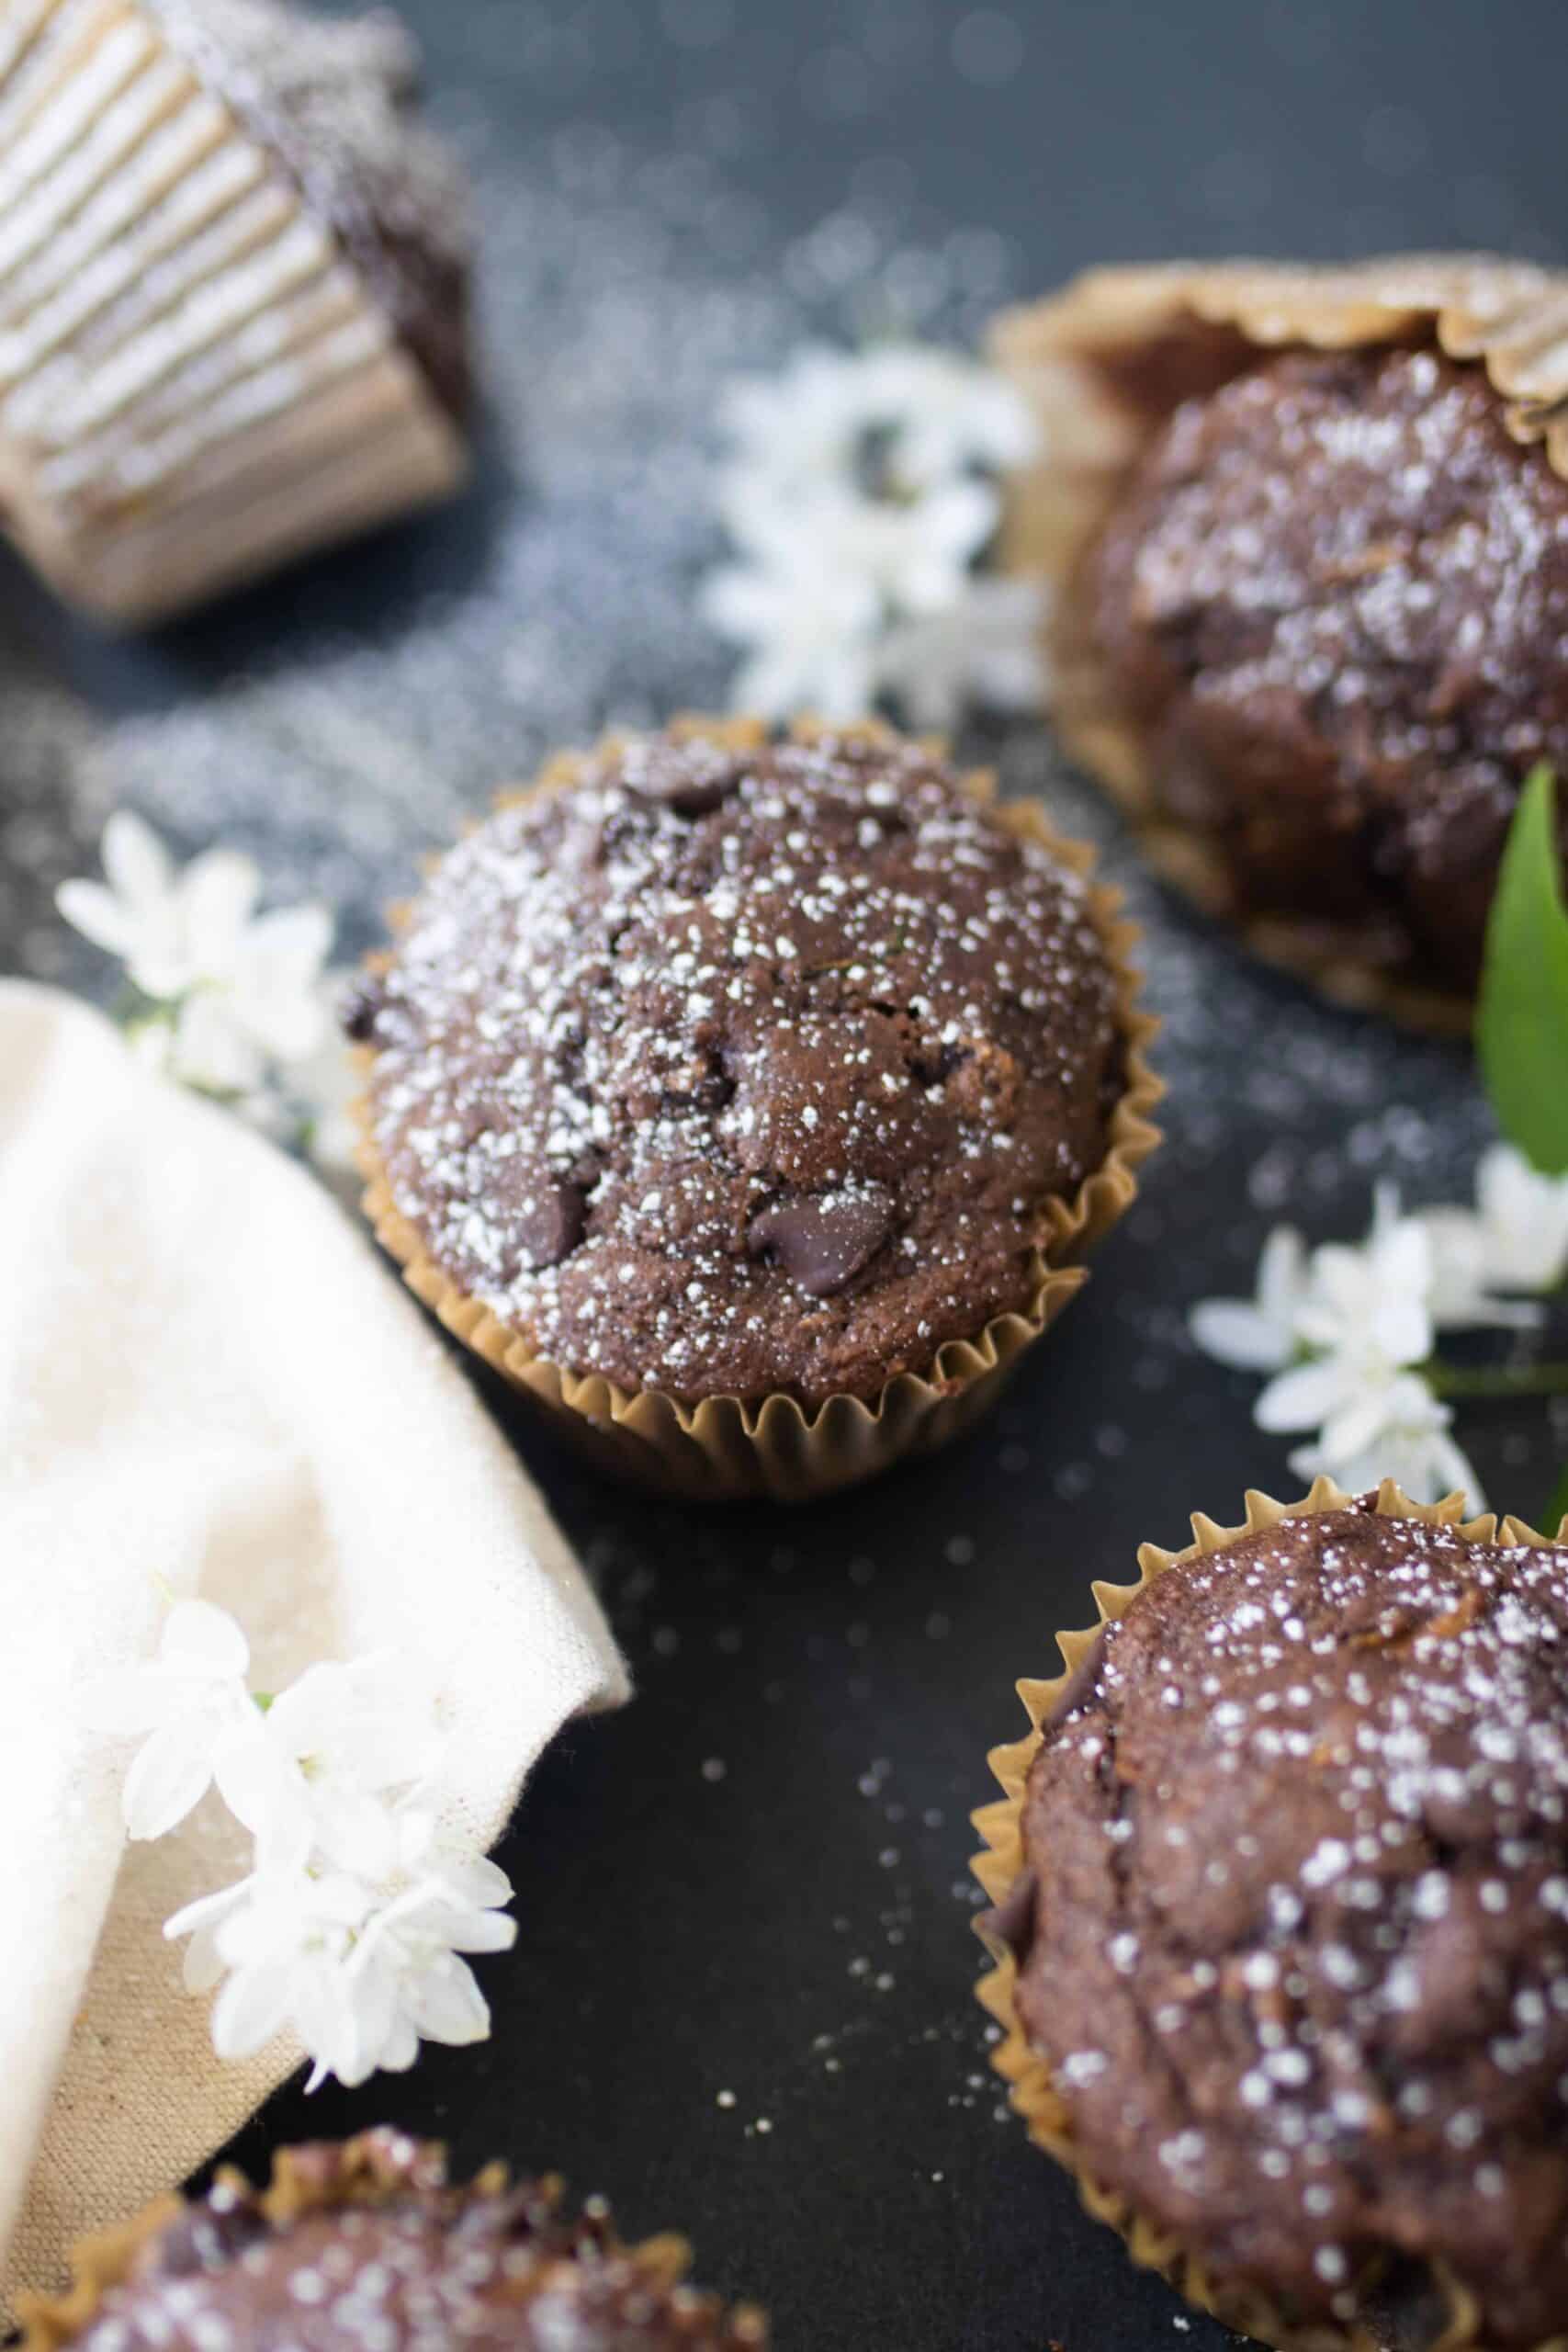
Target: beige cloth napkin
x,y
206,1378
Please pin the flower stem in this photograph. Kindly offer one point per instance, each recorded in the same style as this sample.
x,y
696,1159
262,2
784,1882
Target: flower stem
x,y
1499,1380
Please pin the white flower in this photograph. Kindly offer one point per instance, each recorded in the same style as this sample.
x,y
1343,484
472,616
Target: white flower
x,y
1258,1334
1514,1240
1365,1319
910,556
1462,1297
812,625
952,413
234,991
278,1943
857,504
333,1747
171,930
985,648
409,1983
361,1975
350,1927
192,1699
914,416
1400,1431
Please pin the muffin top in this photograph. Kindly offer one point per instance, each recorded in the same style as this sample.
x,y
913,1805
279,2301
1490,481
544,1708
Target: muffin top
x,y
334,100
731,1068
371,2252
1296,1940
1335,594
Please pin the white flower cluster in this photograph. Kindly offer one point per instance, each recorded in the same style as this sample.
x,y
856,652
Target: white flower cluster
x,y
1347,1332
233,1003
860,496
350,1926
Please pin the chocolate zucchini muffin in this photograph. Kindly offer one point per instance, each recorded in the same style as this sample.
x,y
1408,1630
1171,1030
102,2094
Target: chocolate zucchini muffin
x,y
1290,1926
752,1105
1333,597
730,1067
233,316
362,2247
1310,534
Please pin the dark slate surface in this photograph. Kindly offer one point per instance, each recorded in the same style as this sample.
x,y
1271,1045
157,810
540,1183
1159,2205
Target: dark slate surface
x,y
740,2003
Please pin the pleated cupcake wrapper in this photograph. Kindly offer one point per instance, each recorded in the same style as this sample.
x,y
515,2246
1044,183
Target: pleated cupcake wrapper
x,y
196,382
1031,2087
358,2174
727,1448
1106,361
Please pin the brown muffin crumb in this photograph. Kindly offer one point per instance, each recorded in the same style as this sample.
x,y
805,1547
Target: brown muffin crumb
x,y
1293,1932
728,1071
1333,597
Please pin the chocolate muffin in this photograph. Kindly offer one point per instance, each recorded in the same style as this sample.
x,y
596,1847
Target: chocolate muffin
x,y
362,2247
234,317
1289,1926
1334,598
1314,607
725,1067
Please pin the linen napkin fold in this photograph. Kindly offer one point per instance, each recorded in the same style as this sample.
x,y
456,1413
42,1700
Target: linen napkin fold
x,y
205,1379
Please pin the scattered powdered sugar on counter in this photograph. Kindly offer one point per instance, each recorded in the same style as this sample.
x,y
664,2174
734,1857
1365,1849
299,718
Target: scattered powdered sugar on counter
x,y
344,722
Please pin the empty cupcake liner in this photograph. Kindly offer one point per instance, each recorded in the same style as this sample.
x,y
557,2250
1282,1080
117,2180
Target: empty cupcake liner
x,y
727,1448
1104,362
196,383
1031,2087
358,2174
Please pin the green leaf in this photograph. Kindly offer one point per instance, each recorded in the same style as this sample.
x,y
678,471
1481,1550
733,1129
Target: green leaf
x,y
1521,1022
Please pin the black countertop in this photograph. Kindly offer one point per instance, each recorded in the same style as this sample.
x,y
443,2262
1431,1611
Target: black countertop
x,y
740,2002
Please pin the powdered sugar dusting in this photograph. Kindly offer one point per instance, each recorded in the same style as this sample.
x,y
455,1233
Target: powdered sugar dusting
x,y
730,1069
1327,1771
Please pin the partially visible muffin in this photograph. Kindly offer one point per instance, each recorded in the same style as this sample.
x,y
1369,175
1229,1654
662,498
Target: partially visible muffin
x,y
363,2247
1306,531
1333,598
1289,1932
233,293
735,1068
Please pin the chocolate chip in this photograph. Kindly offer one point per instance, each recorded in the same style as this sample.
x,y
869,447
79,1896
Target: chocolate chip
x,y
1409,2308
690,778
551,1217
366,1000
822,1243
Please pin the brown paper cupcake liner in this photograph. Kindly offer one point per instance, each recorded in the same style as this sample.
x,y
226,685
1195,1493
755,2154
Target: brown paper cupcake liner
x,y
726,1448
1031,2088
1105,361
195,384
371,2170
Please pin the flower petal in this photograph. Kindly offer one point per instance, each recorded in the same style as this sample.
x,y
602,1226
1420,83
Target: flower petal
x,y
217,892
200,1638
446,2004
169,1777
88,908
252,2008
1303,1397
1234,1332
138,866
264,1791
